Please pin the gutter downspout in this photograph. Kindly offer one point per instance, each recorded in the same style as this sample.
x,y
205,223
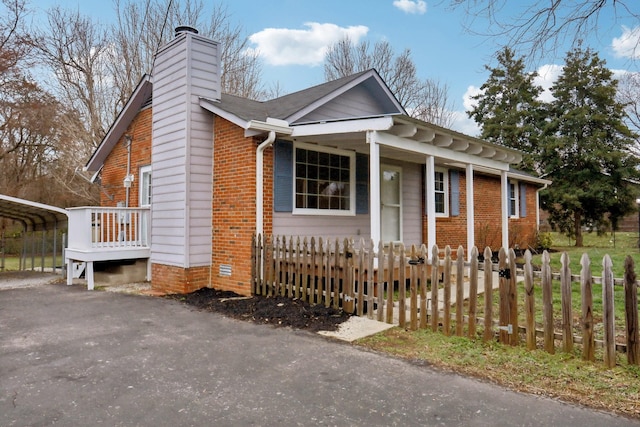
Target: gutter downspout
x,y
260,179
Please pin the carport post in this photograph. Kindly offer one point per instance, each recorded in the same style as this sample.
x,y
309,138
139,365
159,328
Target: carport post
x,y
55,246
44,244
33,250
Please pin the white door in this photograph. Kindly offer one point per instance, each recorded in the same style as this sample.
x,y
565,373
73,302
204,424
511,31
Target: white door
x,y
391,203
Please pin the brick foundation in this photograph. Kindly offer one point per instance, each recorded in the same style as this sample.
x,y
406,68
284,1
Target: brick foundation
x,y
169,279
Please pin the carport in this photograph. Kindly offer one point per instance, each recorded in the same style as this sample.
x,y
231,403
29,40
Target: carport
x,y
35,218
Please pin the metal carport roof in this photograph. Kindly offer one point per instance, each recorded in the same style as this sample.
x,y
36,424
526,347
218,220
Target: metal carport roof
x,y
34,216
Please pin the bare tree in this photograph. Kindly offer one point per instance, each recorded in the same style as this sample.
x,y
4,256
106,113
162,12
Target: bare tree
x,y
542,26
140,31
424,99
13,48
75,51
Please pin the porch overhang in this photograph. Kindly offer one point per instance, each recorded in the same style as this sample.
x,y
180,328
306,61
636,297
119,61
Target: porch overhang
x,y
32,215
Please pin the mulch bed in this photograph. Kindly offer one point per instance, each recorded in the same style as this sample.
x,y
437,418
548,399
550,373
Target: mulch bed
x,y
277,311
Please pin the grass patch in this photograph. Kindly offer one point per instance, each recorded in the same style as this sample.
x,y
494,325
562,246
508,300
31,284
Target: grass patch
x,y
564,376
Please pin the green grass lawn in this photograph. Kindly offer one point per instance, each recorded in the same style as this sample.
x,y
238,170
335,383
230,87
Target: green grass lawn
x,y
12,263
617,246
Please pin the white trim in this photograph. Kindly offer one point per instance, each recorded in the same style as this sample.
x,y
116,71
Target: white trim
x,y
445,184
431,209
516,199
144,170
471,232
374,188
352,181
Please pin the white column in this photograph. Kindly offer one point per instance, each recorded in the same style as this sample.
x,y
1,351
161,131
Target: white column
x,y
471,229
374,187
504,195
430,200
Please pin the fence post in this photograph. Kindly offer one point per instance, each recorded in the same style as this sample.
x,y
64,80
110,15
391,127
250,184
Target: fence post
x,y
348,294
529,302
402,288
505,312
514,337
608,314
446,315
413,287
567,311
380,281
473,291
547,304
435,266
588,341
276,268
390,284
311,293
488,295
335,288
361,275
322,275
631,312
370,275
459,291
423,287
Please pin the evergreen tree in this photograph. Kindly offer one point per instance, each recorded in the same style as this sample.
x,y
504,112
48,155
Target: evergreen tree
x,y
586,152
508,110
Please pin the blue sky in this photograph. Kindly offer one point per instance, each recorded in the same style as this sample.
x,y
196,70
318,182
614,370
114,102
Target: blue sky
x,y
292,35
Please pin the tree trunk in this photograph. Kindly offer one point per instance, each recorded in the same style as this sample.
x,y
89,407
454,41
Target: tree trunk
x,y
577,223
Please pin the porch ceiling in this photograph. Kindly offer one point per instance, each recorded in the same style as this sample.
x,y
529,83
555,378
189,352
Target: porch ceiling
x,y
34,216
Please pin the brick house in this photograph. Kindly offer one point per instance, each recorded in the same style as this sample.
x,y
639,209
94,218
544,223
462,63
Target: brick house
x,y
341,159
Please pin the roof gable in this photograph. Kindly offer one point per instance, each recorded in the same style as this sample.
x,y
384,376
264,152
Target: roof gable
x,y
139,98
360,95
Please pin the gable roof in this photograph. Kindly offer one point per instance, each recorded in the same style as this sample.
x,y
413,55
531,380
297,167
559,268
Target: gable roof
x,y
139,98
297,105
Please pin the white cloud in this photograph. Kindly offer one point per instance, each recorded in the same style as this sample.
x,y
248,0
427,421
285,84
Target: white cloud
x,y
467,102
462,123
284,46
628,44
409,6
547,76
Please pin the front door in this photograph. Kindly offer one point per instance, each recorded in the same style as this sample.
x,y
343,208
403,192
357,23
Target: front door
x,y
391,203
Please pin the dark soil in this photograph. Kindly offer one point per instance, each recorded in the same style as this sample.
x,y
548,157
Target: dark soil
x,y
277,311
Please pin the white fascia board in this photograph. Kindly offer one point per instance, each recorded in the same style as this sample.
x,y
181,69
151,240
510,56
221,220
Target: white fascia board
x,y
527,178
430,150
344,126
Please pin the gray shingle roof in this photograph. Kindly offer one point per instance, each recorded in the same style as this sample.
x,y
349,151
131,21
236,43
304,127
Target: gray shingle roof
x,y
284,106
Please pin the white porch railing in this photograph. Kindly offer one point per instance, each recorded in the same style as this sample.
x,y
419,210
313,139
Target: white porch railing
x,y
103,228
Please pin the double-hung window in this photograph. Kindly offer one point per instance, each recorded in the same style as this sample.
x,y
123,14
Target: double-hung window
x,y
513,199
324,180
442,192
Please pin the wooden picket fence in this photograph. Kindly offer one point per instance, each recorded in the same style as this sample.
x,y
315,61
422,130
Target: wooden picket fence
x,y
365,280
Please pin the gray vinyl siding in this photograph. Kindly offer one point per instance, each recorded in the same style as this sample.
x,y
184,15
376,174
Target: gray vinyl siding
x,y
356,227
182,151
356,102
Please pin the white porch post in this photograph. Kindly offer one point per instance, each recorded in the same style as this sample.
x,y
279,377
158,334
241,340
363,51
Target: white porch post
x,y
471,229
430,201
504,194
374,187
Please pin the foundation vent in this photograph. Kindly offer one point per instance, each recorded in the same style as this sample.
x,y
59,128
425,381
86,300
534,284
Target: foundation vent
x,y
225,270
